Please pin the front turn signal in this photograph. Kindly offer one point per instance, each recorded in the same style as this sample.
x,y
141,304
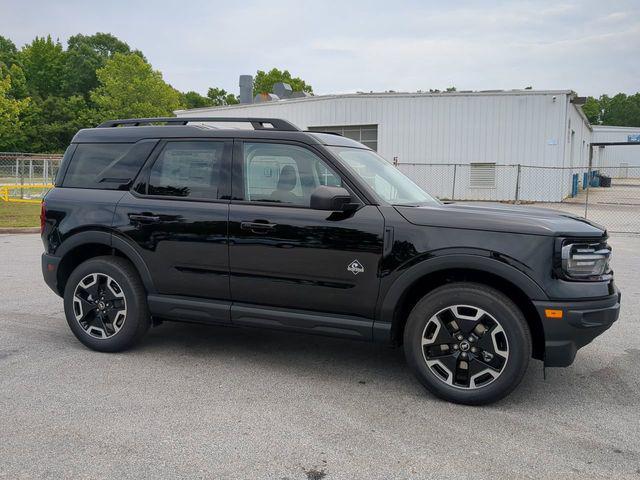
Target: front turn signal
x,y
551,313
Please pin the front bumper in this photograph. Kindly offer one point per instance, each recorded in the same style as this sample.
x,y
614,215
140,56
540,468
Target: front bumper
x,y
582,321
50,266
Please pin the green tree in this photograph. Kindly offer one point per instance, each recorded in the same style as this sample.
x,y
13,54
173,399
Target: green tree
x,y
195,100
264,81
43,62
8,52
129,87
219,97
591,109
621,109
10,113
85,55
54,121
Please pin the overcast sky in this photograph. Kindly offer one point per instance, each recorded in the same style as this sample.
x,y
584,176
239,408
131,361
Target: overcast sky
x,y
591,47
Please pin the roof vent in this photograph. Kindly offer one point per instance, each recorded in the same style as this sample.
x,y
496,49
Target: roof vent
x,y
282,90
265,97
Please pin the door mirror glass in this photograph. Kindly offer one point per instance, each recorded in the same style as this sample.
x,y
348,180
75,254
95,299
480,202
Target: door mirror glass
x,y
335,199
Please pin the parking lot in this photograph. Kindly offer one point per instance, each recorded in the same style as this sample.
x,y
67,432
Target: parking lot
x,y
213,402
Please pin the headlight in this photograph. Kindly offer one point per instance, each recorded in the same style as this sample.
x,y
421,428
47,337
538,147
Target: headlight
x,y
585,260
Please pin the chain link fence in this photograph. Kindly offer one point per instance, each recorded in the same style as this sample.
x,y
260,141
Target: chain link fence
x,y
26,177
608,195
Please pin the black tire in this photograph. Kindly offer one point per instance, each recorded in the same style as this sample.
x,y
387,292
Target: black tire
x,y
136,318
447,301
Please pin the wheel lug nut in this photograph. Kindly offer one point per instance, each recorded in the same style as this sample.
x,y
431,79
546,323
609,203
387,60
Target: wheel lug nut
x,y
455,347
474,349
470,339
460,337
463,354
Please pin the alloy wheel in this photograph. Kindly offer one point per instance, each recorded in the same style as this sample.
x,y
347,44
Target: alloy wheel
x,y
99,305
465,346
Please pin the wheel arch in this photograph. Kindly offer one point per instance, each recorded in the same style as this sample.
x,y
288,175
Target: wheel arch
x,y
89,244
422,278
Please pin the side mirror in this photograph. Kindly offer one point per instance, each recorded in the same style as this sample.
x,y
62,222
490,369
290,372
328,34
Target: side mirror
x,y
335,199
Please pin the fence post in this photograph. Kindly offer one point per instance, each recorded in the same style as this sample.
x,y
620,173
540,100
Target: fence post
x,y
586,200
21,178
518,184
453,190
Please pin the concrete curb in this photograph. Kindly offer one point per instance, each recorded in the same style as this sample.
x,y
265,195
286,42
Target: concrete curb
x,y
19,230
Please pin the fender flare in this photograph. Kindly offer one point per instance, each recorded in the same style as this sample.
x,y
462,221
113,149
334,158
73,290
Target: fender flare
x,y
110,240
394,294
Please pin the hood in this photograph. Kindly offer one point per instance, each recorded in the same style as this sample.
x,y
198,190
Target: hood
x,y
502,218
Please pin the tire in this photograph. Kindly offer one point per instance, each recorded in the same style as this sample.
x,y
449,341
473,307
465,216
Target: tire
x,y
467,343
113,320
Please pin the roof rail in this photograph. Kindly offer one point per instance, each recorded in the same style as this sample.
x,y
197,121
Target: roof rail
x,y
257,123
326,133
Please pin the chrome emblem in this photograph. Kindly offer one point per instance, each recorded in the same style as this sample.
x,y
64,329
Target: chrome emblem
x,y
355,267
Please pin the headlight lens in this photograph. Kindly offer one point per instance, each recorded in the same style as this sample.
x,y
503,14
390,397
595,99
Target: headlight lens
x,y
585,260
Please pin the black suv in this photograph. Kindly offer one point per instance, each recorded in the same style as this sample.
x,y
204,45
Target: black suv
x,y
171,218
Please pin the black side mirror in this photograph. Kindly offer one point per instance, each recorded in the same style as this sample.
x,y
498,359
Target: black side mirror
x,y
335,199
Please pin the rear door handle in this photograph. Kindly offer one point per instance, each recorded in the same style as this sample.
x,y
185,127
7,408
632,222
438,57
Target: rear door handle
x,y
257,227
142,218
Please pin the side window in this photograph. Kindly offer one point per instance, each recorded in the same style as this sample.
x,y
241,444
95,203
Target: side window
x,y
106,166
282,173
187,169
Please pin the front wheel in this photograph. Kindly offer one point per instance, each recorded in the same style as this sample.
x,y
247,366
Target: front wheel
x,y
467,343
105,304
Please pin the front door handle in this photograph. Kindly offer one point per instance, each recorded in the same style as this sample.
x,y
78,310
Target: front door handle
x,y
257,227
142,218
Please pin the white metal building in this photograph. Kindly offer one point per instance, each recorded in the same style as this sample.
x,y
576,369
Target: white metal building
x,y
479,131
617,160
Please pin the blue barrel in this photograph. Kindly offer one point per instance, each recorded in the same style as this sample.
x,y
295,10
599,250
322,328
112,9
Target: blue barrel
x,y
574,185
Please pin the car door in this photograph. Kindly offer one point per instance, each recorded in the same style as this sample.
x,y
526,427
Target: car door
x,y
176,217
318,268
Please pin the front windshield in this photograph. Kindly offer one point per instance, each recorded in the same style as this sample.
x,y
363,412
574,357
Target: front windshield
x,y
386,180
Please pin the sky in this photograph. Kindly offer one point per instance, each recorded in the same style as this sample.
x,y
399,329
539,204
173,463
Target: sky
x,y
590,47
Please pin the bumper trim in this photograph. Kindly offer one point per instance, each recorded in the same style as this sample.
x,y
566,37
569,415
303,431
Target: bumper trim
x,y
50,265
582,322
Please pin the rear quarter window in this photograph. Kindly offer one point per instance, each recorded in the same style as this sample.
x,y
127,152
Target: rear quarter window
x,y
106,166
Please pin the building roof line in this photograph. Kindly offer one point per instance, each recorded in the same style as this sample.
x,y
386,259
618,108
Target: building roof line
x,y
316,98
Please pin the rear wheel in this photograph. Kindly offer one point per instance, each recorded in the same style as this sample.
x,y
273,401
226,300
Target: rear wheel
x,y
467,343
105,304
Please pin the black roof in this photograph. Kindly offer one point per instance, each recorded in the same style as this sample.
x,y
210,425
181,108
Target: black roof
x,y
115,131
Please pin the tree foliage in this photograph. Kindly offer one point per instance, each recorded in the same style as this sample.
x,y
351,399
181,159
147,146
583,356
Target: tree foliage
x,y
85,55
48,92
621,109
43,63
10,112
264,81
220,97
216,97
8,52
129,87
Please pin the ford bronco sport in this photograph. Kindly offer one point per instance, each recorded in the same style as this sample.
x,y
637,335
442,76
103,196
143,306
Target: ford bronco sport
x,y
173,218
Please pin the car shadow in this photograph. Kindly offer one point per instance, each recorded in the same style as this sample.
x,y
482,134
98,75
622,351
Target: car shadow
x,y
308,357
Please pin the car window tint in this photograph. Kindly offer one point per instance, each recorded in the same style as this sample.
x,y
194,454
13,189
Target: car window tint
x,y
282,173
107,166
187,169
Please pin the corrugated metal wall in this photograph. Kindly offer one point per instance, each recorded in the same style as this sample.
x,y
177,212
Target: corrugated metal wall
x,y
524,127
615,156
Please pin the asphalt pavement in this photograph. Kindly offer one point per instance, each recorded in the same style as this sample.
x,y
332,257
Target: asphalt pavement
x,y
212,402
